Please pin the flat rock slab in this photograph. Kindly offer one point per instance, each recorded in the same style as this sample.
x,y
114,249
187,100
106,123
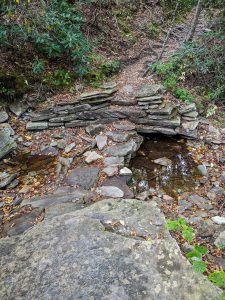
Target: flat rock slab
x,y
124,149
93,253
84,177
149,90
63,195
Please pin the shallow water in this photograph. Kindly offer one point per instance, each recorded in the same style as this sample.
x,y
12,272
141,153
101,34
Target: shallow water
x,y
180,176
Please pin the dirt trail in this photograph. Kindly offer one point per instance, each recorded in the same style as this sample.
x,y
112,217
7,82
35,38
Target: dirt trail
x,y
131,77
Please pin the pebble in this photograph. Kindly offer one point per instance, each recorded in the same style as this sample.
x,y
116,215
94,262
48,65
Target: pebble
x,y
125,171
219,220
111,171
110,191
61,144
101,141
70,147
92,156
203,170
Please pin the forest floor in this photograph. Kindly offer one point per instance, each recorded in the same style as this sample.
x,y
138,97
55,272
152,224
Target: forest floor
x,y
37,175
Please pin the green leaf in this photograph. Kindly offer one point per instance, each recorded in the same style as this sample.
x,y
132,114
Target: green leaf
x,y
223,296
172,225
187,233
218,278
199,266
201,249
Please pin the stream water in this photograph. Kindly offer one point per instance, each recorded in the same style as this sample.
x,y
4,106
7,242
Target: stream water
x,y
178,177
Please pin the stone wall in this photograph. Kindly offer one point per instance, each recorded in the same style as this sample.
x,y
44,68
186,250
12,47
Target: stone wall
x,y
149,111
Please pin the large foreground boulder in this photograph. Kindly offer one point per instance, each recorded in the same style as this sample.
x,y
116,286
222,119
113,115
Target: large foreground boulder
x,y
114,249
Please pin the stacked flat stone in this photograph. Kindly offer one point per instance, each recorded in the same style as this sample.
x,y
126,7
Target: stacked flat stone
x,y
162,116
88,108
189,117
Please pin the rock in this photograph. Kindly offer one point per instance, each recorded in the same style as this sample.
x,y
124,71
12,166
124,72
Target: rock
x,y
149,90
220,240
13,184
203,170
84,177
61,144
125,171
110,171
206,228
92,156
94,129
213,129
144,196
7,143
217,190
187,109
70,147
3,116
121,183
120,137
60,196
154,129
6,180
171,123
25,189
191,115
49,150
110,191
123,149
108,85
166,110
101,141
163,161
124,102
222,177
97,94
192,125
124,126
86,247
37,125
168,199
18,108
184,205
114,161
22,223
200,202
218,220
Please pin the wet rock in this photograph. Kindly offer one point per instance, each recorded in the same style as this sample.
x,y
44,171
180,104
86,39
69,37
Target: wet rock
x,y
200,202
134,267
94,129
110,191
18,108
7,143
84,177
92,156
124,126
70,147
203,170
163,161
125,171
114,161
6,179
149,90
101,141
37,125
3,116
218,220
110,171
220,240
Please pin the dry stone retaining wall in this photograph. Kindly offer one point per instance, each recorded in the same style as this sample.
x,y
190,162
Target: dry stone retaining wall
x,y
150,112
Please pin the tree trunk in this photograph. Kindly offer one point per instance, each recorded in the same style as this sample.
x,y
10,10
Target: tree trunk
x,y
191,33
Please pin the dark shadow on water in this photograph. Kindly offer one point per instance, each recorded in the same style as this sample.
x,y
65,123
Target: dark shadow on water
x,y
180,176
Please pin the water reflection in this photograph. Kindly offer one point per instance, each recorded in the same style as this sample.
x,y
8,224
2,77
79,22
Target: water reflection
x,y
180,176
